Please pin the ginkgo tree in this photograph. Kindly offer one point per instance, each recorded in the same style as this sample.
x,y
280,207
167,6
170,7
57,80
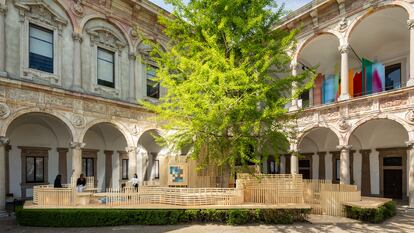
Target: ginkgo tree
x,y
228,83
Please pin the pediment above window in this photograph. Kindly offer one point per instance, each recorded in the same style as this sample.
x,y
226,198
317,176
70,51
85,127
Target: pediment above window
x,y
107,38
40,11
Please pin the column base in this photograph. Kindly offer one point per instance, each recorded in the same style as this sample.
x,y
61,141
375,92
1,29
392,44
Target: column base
x,y
344,97
77,88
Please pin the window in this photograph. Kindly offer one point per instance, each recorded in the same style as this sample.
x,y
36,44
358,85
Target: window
x,y
157,169
393,77
125,169
35,170
153,87
338,169
40,48
88,166
106,70
393,161
305,99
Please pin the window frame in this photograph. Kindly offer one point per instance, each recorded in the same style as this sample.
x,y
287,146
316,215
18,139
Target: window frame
x,y
44,29
87,160
393,66
148,79
35,181
102,82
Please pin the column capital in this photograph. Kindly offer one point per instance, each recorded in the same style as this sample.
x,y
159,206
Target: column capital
x,y
410,144
132,55
343,147
77,37
410,24
4,141
131,149
77,145
343,48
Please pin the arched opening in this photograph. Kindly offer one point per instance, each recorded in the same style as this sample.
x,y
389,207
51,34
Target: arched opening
x,y
150,152
105,156
381,158
318,155
39,149
379,57
321,52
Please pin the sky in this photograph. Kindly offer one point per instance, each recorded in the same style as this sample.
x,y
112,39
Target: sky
x,y
290,4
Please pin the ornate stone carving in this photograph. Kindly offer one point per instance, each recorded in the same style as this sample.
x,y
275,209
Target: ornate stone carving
x,y
4,111
105,37
315,20
360,107
343,25
135,130
4,141
394,101
410,24
78,120
76,145
3,9
331,112
59,101
77,8
343,147
343,125
410,117
77,36
343,49
306,118
95,107
135,31
40,11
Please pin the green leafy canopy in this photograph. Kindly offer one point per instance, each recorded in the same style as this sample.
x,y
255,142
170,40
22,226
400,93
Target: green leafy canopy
x,y
227,74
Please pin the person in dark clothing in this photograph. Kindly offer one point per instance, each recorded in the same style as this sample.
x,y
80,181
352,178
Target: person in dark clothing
x,y
58,181
81,183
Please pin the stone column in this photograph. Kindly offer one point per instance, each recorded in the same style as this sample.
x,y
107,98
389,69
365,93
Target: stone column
x,y
132,161
76,158
77,62
108,168
3,144
410,81
63,170
345,174
141,163
3,10
282,164
294,164
321,168
410,161
132,81
343,49
294,106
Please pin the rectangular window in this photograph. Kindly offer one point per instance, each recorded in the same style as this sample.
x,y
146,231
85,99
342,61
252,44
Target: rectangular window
x,y
40,48
35,169
153,87
393,77
393,161
106,69
305,99
338,169
125,169
88,166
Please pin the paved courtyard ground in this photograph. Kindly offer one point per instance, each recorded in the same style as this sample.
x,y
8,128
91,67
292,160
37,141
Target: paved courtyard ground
x,y
403,222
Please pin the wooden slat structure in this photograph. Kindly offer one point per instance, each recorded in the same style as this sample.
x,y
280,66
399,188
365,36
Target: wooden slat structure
x,y
251,190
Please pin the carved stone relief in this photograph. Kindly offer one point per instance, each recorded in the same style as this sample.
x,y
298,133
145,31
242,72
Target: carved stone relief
x,y
4,111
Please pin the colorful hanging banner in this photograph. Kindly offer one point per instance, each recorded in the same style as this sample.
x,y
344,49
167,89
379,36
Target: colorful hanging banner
x,y
378,78
317,90
357,81
329,89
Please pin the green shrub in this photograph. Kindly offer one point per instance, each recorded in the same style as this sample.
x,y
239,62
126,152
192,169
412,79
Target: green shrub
x,y
377,215
114,217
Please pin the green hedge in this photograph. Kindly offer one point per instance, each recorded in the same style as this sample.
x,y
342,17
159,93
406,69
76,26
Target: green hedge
x,y
114,217
377,215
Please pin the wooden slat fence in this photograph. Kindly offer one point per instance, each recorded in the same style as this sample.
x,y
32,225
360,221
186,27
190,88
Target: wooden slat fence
x,y
173,196
272,189
49,196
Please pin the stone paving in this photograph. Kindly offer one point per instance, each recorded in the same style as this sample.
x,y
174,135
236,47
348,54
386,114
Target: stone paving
x,y
403,222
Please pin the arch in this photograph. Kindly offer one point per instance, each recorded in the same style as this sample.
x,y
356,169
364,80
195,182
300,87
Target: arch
x,y
121,128
303,45
88,18
310,128
71,16
66,122
361,122
404,5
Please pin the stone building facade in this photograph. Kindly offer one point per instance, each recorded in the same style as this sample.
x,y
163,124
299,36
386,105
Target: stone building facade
x,y
61,111
365,139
